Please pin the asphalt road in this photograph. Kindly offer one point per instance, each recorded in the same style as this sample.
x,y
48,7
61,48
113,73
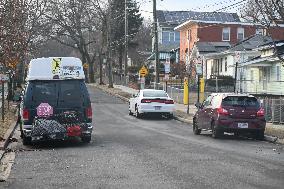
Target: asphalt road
x,y
146,153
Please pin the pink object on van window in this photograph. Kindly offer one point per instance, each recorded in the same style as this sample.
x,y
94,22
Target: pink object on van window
x,y
44,110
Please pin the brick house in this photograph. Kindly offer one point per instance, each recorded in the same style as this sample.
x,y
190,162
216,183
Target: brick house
x,y
194,31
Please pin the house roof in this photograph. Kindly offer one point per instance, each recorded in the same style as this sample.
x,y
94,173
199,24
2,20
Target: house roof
x,y
251,43
212,47
174,18
162,56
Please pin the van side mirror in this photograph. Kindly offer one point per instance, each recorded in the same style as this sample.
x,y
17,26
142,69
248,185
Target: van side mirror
x,y
133,95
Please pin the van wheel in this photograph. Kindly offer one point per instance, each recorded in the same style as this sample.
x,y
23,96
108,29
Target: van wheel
x,y
216,133
27,140
86,139
196,130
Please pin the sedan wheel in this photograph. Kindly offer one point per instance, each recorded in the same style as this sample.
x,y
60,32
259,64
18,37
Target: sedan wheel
x,y
137,114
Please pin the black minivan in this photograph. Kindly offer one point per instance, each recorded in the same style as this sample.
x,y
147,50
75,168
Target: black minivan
x,y
71,109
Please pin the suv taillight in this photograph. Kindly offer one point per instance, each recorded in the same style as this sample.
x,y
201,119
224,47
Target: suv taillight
x,y
26,114
89,112
222,111
260,112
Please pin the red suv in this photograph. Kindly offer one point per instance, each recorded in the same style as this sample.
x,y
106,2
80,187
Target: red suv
x,y
234,113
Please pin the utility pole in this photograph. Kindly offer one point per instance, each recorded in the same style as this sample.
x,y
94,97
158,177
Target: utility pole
x,y
236,74
156,49
110,82
126,43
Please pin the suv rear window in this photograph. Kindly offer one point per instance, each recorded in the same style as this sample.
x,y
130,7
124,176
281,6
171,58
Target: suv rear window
x,y
241,101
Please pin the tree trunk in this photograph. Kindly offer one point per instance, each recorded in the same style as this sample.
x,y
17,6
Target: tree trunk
x,y
110,76
91,72
120,56
101,68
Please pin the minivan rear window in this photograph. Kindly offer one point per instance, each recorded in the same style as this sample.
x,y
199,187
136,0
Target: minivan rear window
x,y
244,101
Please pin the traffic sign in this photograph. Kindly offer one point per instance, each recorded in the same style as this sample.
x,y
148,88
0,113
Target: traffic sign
x,y
167,65
199,69
143,71
238,56
86,66
4,77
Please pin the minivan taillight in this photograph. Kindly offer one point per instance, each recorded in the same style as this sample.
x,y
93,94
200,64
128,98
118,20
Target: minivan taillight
x,y
89,112
26,114
260,112
222,111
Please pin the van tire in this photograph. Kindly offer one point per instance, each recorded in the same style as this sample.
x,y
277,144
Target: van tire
x,y
27,140
86,139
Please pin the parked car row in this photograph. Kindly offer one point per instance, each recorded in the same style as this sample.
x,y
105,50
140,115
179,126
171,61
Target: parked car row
x,y
219,113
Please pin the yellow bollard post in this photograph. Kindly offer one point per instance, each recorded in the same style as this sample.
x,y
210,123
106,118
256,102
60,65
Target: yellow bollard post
x,y
185,91
202,89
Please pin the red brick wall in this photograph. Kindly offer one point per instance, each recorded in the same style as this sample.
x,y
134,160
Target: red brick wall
x,y
213,33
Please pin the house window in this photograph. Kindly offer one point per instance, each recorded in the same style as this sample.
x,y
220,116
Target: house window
x,y
241,34
226,65
172,36
165,36
226,34
278,73
260,31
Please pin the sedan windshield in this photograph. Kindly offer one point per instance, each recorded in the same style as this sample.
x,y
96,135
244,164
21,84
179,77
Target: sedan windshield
x,y
155,94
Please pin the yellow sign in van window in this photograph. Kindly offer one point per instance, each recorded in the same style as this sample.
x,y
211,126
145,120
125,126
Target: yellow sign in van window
x,y
56,63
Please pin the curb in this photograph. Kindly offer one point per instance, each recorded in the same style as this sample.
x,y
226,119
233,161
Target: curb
x,y
183,120
9,133
270,138
114,94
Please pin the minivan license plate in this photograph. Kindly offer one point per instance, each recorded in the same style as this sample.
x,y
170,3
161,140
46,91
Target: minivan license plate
x,y
242,125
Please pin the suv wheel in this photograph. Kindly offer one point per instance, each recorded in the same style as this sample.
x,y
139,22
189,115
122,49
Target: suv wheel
x,y
216,133
86,139
196,130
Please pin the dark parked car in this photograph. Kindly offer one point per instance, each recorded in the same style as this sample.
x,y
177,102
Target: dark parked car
x,y
234,113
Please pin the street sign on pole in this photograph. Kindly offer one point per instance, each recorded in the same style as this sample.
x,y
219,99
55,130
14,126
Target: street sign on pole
x,y
167,65
198,69
143,71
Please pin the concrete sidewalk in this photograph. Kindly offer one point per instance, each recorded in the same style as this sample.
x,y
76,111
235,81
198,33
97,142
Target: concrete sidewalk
x,y
181,111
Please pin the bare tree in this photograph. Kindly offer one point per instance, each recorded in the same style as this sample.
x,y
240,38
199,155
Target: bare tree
x,y
266,12
76,21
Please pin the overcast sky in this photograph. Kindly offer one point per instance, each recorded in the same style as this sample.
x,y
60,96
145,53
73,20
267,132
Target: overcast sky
x,y
146,6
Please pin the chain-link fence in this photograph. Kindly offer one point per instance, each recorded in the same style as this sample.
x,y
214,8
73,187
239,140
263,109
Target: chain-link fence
x,y
274,110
